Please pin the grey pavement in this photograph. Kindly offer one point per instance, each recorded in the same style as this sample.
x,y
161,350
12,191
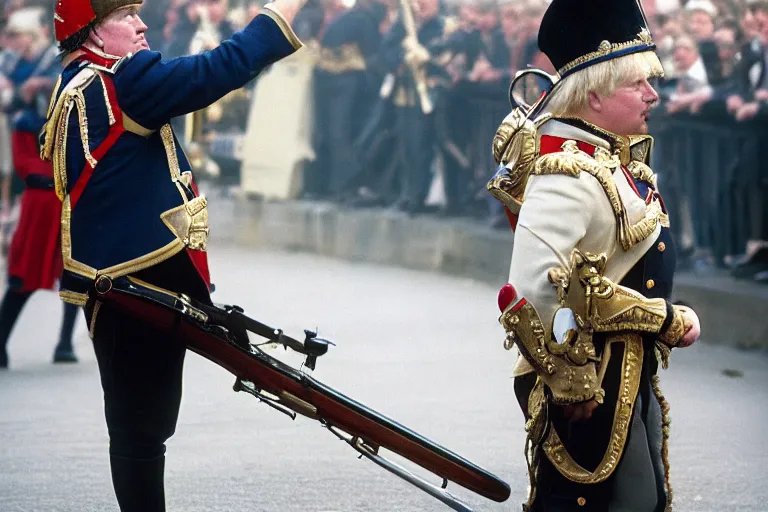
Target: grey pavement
x,y
422,348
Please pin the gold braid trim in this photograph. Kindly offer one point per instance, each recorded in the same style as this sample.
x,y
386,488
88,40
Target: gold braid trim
x,y
78,299
57,149
110,114
271,11
665,430
148,260
94,316
642,42
676,330
535,429
631,370
166,133
79,98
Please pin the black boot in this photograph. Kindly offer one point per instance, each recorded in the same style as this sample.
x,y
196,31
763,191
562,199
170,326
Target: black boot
x,y
64,352
13,303
139,484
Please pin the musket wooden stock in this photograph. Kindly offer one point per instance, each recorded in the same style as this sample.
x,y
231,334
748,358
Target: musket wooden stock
x,y
296,390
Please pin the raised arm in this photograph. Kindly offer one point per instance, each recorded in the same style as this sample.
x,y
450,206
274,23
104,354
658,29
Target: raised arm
x,y
152,91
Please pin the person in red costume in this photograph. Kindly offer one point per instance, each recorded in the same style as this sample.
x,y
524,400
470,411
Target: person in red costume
x,y
34,258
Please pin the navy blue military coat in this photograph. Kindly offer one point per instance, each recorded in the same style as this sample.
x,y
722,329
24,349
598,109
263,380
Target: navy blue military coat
x,y
129,199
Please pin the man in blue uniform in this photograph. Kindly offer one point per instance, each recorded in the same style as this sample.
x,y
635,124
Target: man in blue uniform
x,y
130,204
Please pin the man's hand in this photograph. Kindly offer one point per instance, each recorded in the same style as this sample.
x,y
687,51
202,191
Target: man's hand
x,y
581,411
747,111
734,103
761,95
692,327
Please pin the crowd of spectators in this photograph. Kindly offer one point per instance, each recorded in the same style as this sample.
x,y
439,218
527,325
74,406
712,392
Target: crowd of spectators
x,y
715,54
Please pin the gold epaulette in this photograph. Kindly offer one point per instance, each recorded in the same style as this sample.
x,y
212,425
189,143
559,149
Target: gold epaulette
x,y
571,161
62,104
57,124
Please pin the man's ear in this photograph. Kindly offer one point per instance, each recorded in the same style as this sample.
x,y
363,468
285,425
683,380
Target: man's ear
x,y
94,38
595,102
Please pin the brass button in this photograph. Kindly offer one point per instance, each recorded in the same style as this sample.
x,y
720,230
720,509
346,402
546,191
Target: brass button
x,y
650,283
103,285
581,501
662,246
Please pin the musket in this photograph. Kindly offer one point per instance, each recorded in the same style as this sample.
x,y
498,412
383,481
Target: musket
x,y
417,71
222,334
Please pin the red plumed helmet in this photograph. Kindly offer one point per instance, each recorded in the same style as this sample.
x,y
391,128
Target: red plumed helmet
x,y
70,16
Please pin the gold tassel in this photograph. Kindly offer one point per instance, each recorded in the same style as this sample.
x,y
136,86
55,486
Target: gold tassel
x,y
665,422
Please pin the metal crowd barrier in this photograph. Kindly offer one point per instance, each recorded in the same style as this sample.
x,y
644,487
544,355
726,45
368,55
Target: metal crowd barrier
x,y
713,173
713,176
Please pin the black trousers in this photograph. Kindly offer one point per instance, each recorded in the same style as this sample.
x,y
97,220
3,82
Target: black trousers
x,y
141,375
637,484
416,152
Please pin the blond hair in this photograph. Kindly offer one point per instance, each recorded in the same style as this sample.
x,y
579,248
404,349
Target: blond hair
x,y
572,94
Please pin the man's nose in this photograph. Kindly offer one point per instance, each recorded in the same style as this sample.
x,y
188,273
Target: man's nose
x,y
650,95
141,26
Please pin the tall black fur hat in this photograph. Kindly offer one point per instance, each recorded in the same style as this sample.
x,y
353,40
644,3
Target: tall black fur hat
x,y
575,34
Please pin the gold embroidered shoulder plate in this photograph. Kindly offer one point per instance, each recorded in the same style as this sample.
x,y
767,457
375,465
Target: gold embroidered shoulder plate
x,y
571,161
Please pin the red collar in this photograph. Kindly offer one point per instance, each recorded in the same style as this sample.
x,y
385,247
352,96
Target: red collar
x,y
102,59
553,144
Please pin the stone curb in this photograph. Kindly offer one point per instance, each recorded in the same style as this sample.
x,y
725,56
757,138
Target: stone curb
x,y
732,312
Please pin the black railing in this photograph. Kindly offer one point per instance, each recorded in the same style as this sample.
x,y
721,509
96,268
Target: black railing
x,y
713,173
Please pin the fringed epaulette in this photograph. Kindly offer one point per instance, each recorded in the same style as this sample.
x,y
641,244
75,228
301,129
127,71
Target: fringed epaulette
x,y
54,135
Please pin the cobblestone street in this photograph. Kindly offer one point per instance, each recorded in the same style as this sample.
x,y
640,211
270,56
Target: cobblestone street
x,y
423,348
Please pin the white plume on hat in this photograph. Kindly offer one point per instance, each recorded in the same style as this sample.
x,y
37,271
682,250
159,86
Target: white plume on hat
x,y
25,21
